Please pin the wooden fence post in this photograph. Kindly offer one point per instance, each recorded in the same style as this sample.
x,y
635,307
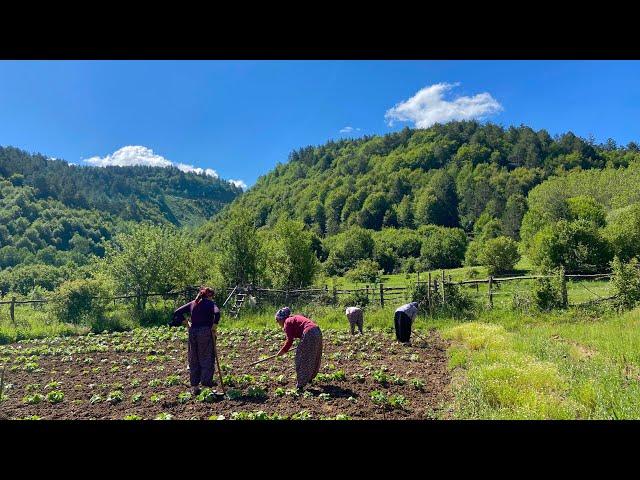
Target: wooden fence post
x,y
381,295
443,294
435,289
12,310
563,284
335,294
490,292
429,293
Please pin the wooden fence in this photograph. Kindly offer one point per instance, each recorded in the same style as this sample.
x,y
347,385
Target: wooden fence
x,y
377,294
177,296
381,294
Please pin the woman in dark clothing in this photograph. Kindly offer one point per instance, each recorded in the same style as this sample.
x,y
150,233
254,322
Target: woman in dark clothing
x,y
203,323
309,352
404,317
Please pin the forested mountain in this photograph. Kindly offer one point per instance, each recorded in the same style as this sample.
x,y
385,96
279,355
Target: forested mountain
x,y
130,193
55,218
461,193
453,194
445,175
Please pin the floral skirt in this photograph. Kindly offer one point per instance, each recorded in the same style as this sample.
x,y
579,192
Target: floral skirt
x,y
308,356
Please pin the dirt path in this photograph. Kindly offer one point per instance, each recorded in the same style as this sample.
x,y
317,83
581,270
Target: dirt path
x,y
152,363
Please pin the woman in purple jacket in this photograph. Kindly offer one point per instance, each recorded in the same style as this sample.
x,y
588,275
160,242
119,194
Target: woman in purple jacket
x,y
205,316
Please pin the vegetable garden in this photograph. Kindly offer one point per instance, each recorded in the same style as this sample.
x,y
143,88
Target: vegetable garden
x,y
141,374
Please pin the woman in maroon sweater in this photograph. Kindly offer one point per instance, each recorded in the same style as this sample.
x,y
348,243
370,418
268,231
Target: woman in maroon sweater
x,y
309,352
203,323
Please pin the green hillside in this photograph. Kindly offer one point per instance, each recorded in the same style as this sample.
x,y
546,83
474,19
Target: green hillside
x,y
445,196
55,218
445,175
131,193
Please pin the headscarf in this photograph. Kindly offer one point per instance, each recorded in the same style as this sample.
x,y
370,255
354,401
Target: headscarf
x,y
283,313
205,292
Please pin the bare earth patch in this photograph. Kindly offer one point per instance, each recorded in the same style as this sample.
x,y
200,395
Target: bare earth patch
x,y
148,368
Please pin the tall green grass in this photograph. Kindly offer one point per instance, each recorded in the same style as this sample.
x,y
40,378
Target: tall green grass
x,y
33,323
572,364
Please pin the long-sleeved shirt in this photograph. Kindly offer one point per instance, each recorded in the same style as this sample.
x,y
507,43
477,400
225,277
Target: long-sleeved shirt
x,y
353,313
294,327
409,309
203,314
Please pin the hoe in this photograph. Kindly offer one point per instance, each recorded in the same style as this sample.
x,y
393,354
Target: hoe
x,y
215,350
268,358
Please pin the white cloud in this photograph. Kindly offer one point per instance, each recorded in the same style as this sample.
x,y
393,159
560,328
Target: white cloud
x,y
429,106
349,129
139,155
239,183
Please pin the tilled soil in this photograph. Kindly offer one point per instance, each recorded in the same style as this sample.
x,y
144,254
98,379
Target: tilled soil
x,y
414,379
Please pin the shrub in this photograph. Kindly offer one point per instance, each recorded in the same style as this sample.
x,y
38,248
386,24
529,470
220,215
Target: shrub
x,y
549,293
80,302
577,246
417,292
584,207
499,254
626,282
346,248
358,298
623,232
442,247
472,255
365,271
456,303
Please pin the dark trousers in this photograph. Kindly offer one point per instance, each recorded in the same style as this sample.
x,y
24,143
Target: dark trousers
x,y
403,326
201,356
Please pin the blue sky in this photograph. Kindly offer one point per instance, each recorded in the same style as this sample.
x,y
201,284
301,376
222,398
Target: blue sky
x,y
238,119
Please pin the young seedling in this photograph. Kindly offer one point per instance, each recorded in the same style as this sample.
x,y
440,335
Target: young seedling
x,y
184,397
164,416
256,392
33,399
292,392
381,377
397,401
301,415
155,398
172,380
115,397
233,394
207,395
417,384
55,396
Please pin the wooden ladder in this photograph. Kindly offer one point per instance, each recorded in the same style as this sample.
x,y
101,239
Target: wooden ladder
x,y
238,301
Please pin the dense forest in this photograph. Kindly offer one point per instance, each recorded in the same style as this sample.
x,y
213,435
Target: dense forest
x,y
453,194
55,218
131,193
461,193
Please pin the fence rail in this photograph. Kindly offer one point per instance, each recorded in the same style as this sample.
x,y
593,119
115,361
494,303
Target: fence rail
x,y
375,293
